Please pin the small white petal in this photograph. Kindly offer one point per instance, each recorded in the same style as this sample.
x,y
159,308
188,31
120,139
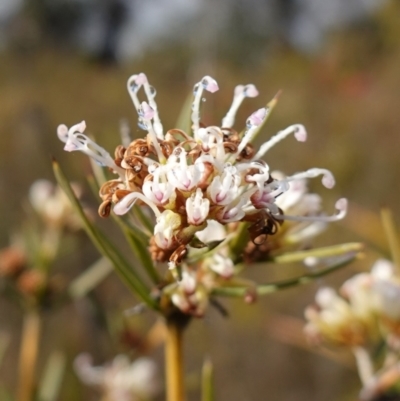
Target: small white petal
x,y
125,204
382,269
62,132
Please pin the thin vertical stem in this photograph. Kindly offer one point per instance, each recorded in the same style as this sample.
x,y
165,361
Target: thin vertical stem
x,y
207,381
364,365
28,355
174,360
391,235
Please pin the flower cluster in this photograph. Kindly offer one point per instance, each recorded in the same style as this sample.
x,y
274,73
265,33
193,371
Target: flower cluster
x,y
213,174
369,302
120,380
26,263
52,205
366,315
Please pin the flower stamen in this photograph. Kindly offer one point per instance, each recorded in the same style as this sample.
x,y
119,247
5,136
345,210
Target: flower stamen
x,y
210,85
240,93
298,130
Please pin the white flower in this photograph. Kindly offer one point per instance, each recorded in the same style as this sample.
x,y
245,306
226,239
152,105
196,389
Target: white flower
x,y
295,200
224,189
386,288
197,208
74,139
337,321
165,229
158,192
233,211
180,175
51,203
189,295
222,265
211,173
213,232
120,380
359,292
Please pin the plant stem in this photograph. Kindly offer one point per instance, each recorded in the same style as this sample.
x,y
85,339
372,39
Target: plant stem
x,y
28,355
174,360
265,289
391,235
364,365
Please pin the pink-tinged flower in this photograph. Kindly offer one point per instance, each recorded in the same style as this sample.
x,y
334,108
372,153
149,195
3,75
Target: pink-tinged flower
x,y
189,295
197,208
225,188
166,229
210,174
159,190
181,175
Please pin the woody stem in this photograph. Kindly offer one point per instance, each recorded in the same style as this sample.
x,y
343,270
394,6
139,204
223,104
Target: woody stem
x,y
28,355
174,359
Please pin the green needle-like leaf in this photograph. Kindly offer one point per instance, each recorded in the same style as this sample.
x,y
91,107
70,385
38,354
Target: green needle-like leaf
x,y
139,245
207,381
90,278
136,238
50,385
319,253
184,121
145,220
269,288
104,245
240,240
391,235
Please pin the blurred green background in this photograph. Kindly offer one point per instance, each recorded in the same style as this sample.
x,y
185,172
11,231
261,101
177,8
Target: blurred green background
x,y
338,65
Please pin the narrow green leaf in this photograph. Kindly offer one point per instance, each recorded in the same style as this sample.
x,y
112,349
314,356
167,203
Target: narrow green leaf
x,y
319,253
139,246
184,121
132,276
391,235
135,237
136,232
207,381
90,278
51,381
98,172
4,343
269,288
195,254
241,239
104,245
145,220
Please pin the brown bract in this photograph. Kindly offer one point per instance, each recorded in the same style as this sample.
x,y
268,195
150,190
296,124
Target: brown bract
x,y
12,262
